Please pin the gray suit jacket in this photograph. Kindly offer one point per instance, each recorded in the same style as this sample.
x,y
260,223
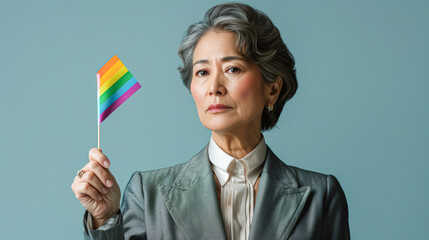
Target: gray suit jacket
x,y
180,202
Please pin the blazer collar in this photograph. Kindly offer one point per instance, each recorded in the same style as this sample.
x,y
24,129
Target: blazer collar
x,y
192,200
193,203
279,202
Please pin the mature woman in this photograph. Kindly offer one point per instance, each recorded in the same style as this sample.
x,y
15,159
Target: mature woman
x,y
240,74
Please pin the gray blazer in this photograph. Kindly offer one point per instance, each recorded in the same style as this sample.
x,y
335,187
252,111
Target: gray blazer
x,y
180,202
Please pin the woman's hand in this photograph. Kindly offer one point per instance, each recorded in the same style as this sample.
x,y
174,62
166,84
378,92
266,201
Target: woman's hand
x,y
97,189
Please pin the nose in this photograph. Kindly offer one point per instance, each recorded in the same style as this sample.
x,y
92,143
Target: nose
x,y
217,86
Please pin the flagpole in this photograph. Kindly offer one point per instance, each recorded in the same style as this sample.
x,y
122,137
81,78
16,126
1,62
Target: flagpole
x,y
99,136
98,108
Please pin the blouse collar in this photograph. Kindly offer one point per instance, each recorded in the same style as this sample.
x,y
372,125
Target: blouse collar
x,y
221,160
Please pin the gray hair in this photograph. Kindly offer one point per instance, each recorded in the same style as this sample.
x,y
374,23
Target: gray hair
x,y
256,39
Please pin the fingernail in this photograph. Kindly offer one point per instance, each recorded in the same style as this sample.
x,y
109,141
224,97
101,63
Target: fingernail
x,y
106,164
109,183
104,190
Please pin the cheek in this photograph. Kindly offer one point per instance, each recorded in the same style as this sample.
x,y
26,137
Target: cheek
x,y
197,95
249,90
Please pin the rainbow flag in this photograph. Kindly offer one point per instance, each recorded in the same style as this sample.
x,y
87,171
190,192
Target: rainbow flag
x,y
115,84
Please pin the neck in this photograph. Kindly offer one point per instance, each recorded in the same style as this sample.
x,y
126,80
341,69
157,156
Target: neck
x,y
237,145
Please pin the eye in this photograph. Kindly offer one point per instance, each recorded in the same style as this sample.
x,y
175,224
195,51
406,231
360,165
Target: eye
x,y
233,70
201,73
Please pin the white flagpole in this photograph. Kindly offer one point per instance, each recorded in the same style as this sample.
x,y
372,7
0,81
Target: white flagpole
x,y
99,136
98,108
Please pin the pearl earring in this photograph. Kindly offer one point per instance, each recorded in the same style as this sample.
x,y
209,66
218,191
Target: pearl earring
x,y
270,108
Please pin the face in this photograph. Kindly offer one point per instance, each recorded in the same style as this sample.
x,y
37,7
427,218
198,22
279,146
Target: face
x,y
228,91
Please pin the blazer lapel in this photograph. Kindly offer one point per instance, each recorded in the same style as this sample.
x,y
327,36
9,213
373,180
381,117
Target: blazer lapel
x,y
192,201
279,202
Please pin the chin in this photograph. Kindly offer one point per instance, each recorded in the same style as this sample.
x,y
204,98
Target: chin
x,y
220,126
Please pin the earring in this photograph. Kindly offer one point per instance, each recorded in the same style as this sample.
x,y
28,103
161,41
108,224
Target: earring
x,y
270,108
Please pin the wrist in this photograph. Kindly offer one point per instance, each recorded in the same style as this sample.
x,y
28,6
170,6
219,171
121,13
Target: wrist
x,y
96,223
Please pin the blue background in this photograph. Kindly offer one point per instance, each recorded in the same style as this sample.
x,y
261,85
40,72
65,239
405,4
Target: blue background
x,y
360,113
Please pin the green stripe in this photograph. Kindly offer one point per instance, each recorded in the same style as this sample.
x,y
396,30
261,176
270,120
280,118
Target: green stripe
x,y
117,85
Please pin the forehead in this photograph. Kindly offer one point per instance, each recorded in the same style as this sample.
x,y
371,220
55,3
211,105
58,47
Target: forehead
x,y
215,44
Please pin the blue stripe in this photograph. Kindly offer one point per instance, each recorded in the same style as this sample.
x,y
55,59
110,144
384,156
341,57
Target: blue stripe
x,y
117,94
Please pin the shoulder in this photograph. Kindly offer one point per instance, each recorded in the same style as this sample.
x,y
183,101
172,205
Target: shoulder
x,y
308,177
325,200
305,174
167,176
163,176
320,182
325,189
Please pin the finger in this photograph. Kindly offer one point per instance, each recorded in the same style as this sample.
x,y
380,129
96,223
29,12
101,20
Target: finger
x,y
82,189
96,155
99,172
111,175
93,180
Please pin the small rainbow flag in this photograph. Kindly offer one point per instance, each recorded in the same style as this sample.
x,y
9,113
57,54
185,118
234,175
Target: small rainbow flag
x,y
115,84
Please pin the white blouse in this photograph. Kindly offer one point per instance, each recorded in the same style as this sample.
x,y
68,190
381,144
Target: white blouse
x,y
237,178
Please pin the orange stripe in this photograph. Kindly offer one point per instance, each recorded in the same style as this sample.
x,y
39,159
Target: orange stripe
x,y
110,81
112,71
108,65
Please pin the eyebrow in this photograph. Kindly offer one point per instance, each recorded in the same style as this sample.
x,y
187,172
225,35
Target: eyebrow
x,y
224,59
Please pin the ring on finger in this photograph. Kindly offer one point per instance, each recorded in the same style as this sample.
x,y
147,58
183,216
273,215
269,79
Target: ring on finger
x,y
80,173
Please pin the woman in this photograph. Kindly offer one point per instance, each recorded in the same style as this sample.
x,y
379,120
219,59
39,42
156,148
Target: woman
x,y
240,74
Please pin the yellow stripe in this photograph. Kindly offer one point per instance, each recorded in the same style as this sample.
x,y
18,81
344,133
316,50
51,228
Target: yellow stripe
x,y
113,79
109,73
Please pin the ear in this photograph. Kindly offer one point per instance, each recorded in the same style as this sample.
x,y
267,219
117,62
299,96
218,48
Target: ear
x,y
272,91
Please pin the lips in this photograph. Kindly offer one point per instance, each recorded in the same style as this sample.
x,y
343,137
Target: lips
x,y
218,107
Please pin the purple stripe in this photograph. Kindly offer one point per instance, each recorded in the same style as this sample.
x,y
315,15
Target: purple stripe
x,y
118,102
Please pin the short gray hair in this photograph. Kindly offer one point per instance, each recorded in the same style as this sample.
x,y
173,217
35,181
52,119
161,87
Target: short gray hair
x,y
256,39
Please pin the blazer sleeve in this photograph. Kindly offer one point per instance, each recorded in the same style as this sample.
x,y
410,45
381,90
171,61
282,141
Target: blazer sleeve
x,y
335,220
131,223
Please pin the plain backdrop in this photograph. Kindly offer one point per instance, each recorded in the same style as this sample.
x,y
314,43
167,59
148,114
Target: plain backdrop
x,y
361,111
